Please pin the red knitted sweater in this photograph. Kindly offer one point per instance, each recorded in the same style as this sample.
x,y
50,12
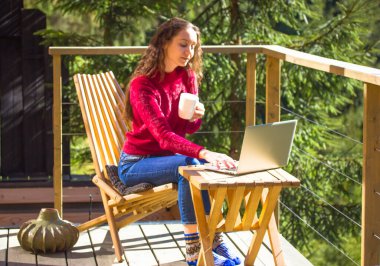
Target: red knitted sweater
x,y
156,128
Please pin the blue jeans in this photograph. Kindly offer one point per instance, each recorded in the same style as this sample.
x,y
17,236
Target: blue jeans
x,y
160,170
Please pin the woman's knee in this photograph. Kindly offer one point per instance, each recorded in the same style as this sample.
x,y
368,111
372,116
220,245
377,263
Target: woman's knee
x,y
188,161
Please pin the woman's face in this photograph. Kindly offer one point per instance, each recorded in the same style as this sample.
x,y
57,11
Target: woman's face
x,y
180,49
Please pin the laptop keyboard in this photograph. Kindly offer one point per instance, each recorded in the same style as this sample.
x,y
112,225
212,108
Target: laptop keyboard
x,y
222,168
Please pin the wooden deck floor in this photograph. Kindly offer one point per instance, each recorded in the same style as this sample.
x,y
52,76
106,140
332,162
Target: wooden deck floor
x,y
144,244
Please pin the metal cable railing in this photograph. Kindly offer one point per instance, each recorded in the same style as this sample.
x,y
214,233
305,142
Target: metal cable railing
x,y
317,232
328,166
330,205
314,194
327,129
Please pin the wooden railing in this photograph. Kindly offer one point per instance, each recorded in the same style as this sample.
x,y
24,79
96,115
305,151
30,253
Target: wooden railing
x,y
370,248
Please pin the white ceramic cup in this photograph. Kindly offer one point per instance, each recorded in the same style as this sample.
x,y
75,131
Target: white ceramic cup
x,y
186,106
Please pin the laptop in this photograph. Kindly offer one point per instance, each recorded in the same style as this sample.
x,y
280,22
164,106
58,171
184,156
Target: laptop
x,y
264,147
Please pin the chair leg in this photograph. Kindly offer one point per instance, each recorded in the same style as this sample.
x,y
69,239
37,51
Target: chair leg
x,y
113,229
92,223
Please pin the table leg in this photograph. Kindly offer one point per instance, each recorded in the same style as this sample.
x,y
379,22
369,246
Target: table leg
x,y
206,248
274,238
266,213
215,212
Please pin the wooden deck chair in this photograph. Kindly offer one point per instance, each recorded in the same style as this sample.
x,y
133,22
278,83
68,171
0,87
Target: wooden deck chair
x,y
101,103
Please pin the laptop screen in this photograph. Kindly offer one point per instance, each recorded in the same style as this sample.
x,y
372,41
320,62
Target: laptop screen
x,y
266,146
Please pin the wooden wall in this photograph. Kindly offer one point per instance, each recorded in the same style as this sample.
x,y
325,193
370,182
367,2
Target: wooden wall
x,y
25,94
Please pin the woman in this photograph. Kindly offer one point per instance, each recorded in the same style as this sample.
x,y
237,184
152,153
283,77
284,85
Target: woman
x,y
156,146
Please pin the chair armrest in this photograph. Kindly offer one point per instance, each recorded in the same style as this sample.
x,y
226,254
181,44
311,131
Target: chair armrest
x,y
108,189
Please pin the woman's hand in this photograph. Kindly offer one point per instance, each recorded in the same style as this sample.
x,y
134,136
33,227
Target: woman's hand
x,y
217,159
198,112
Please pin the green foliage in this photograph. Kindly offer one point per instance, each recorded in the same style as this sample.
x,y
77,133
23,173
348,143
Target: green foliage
x,y
327,106
80,158
60,38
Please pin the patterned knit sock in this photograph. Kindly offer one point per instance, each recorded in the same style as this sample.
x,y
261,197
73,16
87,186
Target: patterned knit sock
x,y
219,247
193,246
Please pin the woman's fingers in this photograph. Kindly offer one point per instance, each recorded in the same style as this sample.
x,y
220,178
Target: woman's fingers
x,y
199,111
224,161
200,107
218,160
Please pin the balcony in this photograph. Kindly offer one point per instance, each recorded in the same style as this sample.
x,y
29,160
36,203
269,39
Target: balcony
x,y
274,57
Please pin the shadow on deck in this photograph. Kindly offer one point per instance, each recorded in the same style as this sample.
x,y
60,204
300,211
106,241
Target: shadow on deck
x,y
144,244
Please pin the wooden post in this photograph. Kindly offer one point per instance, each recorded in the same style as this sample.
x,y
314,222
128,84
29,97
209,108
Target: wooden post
x,y
57,133
370,246
272,99
273,88
250,109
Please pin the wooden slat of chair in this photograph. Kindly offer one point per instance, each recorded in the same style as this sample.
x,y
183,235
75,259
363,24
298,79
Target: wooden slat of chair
x,y
114,95
154,192
101,102
139,206
90,131
105,122
103,136
118,96
113,105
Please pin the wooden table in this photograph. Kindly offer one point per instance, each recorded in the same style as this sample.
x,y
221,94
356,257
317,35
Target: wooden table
x,y
247,191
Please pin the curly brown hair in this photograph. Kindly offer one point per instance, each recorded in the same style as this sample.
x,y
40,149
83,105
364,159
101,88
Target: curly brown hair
x,y
153,58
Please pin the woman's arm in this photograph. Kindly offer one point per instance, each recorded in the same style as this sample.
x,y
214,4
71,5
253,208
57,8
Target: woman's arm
x,y
149,110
